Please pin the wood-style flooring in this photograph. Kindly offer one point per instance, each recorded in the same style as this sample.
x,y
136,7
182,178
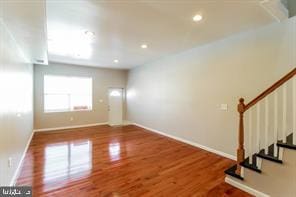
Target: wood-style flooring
x,y
121,161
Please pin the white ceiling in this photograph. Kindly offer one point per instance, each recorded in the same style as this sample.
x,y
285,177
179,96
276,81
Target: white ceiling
x,y
26,21
166,26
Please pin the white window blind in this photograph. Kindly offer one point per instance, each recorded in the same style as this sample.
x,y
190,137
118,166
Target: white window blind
x,y
63,93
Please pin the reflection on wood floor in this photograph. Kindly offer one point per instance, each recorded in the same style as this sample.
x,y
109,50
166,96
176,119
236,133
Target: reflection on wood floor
x,y
121,161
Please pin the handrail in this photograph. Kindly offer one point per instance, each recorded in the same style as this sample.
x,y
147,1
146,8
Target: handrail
x,y
270,89
242,107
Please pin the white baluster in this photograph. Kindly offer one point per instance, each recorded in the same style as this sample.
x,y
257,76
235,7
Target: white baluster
x,y
258,129
266,126
275,121
294,110
250,137
258,163
284,135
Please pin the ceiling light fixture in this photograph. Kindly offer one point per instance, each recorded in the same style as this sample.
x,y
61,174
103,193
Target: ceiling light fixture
x,y
115,61
144,46
197,18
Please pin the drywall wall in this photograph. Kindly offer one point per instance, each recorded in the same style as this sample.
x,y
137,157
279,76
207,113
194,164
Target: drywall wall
x,y
16,103
181,94
102,80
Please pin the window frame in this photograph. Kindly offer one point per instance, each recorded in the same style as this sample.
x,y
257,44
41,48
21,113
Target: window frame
x,y
69,96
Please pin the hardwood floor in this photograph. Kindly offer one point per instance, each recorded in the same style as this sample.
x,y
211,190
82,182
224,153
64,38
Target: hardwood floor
x,y
121,161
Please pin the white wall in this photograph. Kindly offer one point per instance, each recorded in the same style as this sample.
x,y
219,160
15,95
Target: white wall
x,y
180,95
102,80
16,103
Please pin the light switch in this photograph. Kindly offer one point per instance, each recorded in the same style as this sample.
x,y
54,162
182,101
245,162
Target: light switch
x,y
10,162
101,101
224,107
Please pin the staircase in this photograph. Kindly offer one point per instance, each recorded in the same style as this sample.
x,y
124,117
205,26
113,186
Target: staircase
x,y
266,155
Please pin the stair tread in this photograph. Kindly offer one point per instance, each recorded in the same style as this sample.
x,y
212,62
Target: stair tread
x,y
231,171
288,144
269,156
252,166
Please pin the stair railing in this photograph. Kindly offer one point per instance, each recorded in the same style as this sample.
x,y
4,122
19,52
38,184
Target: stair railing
x,y
242,108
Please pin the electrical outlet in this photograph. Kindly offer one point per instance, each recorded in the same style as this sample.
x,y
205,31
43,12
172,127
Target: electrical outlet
x,y
10,163
71,118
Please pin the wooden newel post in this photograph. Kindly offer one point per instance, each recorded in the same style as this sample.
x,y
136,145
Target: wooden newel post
x,y
240,150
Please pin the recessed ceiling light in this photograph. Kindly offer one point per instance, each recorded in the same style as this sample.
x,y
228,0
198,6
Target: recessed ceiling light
x,y
144,46
115,61
89,33
197,18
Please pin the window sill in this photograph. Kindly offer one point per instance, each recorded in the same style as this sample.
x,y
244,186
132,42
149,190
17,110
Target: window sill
x,y
68,111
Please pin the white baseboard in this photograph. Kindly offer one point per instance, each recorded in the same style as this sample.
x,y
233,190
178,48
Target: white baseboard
x,y
127,122
189,142
245,188
17,171
70,127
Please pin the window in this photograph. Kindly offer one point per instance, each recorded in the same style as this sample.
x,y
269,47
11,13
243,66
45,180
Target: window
x,y
63,93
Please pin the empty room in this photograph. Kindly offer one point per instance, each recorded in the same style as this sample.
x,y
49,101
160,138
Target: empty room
x,y
130,98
